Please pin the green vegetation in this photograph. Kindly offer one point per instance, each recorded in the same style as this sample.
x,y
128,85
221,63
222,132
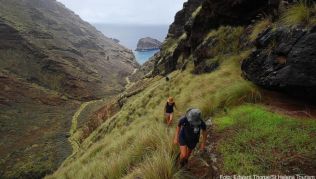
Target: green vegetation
x,y
170,44
299,14
74,138
254,140
259,27
226,40
197,11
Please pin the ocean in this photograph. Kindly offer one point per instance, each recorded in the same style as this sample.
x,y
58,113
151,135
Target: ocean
x,y
128,35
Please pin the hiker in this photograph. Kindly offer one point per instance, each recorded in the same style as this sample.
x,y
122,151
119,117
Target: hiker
x,y
188,134
169,110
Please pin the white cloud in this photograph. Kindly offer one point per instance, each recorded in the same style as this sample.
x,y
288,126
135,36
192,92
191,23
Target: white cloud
x,y
125,11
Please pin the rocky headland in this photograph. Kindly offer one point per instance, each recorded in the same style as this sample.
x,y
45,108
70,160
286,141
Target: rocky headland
x,y
148,44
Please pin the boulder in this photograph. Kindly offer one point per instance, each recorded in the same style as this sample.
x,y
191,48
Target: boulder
x,y
285,60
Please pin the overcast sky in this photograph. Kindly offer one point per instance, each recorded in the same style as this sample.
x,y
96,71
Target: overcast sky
x,y
125,11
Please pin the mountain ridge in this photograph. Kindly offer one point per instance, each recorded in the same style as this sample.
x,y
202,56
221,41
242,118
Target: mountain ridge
x,y
51,62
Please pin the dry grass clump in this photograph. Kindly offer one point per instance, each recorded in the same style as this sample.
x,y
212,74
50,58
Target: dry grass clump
x,y
259,27
301,13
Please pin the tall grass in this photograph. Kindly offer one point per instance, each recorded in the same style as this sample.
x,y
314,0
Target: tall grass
x,y
159,166
225,40
259,27
197,11
299,14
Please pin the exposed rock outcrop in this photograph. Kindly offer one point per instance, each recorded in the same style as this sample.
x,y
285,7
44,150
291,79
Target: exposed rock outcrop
x,y
190,8
208,15
147,44
285,60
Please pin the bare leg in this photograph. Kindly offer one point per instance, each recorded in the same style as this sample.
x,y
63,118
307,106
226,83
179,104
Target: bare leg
x,y
183,155
167,118
170,119
183,152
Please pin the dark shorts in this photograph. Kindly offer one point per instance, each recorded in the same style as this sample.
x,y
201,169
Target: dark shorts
x,y
190,145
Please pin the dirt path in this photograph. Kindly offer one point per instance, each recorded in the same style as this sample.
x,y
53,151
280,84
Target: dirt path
x,y
128,81
202,163
74,124
284,104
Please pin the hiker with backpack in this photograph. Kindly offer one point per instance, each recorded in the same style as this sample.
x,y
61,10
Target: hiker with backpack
x,y
169,109
188,134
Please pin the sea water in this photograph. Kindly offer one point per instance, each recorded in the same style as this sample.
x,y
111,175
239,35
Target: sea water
x,y
128,35
142,57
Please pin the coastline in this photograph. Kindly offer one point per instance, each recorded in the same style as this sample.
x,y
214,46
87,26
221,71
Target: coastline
x,y
146,49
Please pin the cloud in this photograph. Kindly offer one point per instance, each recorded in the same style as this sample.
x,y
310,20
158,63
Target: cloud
x,y
126,11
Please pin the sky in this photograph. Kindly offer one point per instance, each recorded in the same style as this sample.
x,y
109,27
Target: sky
x,y
142,12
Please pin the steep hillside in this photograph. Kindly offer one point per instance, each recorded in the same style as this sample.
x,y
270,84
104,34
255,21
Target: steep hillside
x,y
251,130
50,62
68,55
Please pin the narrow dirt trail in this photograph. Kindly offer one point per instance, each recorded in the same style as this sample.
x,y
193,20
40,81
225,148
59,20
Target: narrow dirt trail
x,y
74,125
290,106
128,81
201,164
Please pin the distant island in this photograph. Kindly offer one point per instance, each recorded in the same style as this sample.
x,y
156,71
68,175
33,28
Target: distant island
x,y
148,44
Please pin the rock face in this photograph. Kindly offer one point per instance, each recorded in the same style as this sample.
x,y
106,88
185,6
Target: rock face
x,y
50,61
183,17
285,60
208,15
147,44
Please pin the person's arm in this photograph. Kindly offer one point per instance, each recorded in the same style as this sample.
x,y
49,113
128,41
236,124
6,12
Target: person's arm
x,y
165,109
204,137
176,136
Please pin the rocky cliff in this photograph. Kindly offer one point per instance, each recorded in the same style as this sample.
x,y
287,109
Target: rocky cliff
x,y
50,61
207,15
199,43
183,18
147,43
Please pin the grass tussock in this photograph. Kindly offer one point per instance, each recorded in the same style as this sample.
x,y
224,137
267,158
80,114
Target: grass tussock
x,y
300,13
255,141
197,11
259,27
159,166
225,40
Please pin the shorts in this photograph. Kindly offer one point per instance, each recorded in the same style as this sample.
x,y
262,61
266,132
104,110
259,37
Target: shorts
x,y
168,114
190,145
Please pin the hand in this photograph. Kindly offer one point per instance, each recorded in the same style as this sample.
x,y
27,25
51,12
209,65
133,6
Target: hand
x,y
176,141
202,147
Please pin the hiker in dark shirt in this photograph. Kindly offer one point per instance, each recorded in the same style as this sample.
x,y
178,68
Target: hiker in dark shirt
x,y
169,110
188,134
